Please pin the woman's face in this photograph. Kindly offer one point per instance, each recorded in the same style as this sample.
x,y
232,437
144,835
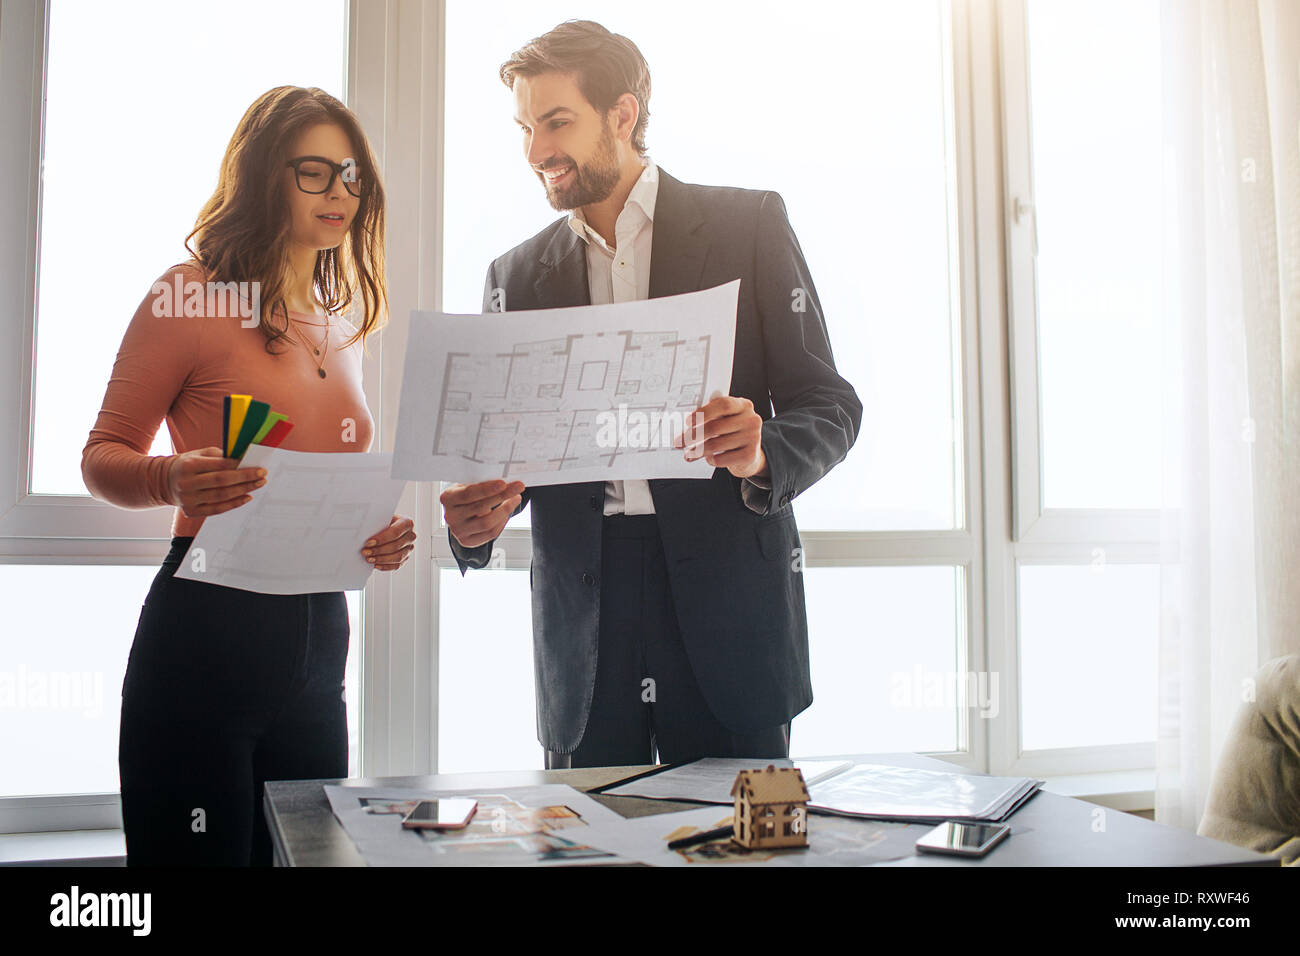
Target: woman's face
x,y
321,220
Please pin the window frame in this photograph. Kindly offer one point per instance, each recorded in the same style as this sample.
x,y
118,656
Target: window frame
x,y
1041,535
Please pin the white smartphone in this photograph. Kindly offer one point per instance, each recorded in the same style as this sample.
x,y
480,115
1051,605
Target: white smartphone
x,y
963,839
446,814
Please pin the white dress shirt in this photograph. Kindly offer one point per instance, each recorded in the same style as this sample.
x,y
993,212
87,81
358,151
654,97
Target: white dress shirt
x,y
622,274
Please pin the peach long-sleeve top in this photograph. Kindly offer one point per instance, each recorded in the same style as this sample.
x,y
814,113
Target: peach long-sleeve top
x,y
180,368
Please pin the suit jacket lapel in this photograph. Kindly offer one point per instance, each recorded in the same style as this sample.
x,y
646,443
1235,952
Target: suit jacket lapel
x,y
677,253
562,280
681,240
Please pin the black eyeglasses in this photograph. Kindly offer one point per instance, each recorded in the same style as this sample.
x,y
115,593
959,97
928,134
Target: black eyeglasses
x,y
315,174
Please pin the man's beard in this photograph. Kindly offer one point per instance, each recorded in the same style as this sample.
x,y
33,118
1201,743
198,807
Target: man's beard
x,y
592,182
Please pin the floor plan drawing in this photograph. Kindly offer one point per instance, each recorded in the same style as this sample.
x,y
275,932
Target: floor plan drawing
x,y
562,395
302,532
540,406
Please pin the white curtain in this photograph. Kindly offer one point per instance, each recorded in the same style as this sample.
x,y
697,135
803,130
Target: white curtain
x,y
1230,535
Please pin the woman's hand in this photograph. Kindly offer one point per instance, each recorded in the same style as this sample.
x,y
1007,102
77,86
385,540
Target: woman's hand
x,y
203,483
389,549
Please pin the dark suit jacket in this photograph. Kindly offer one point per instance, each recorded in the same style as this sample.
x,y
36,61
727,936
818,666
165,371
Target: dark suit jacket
x,y
739,599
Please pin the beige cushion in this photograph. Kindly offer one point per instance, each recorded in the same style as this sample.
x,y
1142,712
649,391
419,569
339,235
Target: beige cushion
x,y
1254,799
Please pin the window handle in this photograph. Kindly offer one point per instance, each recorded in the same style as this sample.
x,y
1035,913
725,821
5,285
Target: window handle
x,y
1021,208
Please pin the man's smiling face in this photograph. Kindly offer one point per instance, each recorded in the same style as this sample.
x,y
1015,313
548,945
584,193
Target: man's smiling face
x,y
569,144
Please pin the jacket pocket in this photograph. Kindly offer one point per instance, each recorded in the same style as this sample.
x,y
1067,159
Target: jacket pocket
x,y
776,535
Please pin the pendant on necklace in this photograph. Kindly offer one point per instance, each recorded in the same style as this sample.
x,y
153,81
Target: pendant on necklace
x,y
320,372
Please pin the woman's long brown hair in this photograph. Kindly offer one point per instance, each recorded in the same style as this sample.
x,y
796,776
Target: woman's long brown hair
x,y
242,233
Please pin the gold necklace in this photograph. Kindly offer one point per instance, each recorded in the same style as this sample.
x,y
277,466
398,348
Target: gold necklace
x,y
320,366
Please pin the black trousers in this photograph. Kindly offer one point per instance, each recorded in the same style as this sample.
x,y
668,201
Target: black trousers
x,y
646,702
224,690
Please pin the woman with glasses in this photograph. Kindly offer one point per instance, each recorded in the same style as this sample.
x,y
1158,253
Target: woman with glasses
x,y
226,688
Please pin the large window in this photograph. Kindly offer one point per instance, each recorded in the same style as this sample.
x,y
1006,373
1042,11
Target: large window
x,y
140,100
122,186
1084,192
61,688
875,222
871,195
974,187
1096,164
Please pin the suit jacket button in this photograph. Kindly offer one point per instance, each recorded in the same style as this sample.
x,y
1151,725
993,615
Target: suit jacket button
x,y
587,578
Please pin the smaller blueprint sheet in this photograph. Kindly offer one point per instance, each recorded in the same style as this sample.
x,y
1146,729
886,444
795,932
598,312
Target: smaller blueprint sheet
x,y
541,825
302,533
554,396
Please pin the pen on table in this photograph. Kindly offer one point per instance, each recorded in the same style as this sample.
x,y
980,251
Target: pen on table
x,y
704,836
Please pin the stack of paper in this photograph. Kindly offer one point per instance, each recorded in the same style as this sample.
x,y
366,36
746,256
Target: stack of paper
x,y
920,796
709,780
845,788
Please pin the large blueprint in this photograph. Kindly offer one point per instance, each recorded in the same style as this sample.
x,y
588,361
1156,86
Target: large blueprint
x,y
554,396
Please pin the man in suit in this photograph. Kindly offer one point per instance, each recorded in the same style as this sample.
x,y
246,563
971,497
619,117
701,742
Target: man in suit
x,y
668,615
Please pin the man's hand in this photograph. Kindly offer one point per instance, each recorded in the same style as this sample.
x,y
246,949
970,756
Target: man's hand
x,y
475,514
389,549
726,432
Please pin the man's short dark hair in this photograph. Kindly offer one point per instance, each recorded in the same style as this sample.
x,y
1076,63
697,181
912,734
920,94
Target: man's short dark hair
x,y
605,65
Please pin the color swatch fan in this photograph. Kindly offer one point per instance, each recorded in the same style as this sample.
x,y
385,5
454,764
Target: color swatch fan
x,y
245,421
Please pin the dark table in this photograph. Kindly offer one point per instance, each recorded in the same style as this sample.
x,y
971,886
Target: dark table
x,y
1049,830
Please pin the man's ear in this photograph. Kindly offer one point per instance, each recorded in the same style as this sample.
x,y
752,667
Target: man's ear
x,y
626,111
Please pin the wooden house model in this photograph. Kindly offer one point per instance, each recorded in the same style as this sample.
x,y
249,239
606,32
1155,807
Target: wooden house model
x,y
771,808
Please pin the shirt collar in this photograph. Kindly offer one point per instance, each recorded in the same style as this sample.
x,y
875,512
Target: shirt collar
x,y
643,195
